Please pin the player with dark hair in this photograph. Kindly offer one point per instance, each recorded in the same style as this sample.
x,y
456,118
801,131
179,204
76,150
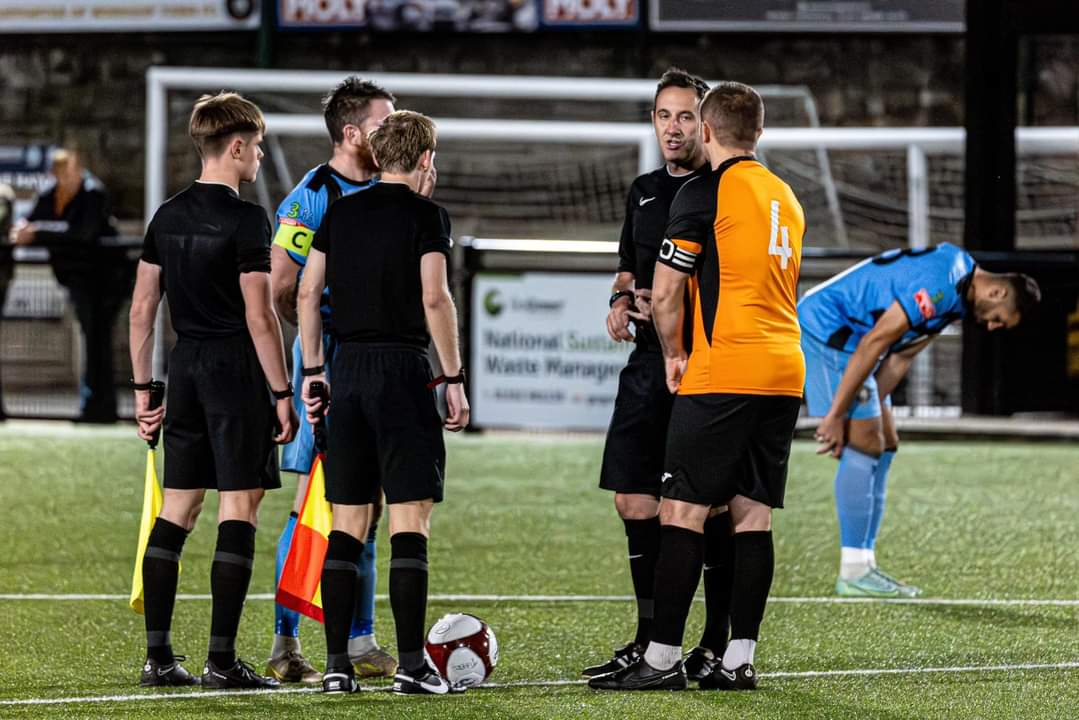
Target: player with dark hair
x,y
351,110
383,254
633,455
210,252
733,242
860,333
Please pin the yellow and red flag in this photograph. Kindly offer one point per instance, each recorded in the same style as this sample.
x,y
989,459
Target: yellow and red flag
x,y
301,578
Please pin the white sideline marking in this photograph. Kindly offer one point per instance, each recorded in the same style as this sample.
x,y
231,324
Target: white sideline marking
x,y
197,694
972,602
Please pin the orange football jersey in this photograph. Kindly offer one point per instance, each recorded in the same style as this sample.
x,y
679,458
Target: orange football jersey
x,y
738,232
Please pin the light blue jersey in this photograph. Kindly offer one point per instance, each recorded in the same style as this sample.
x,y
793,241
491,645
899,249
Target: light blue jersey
x,y
300,214
928,284
298,217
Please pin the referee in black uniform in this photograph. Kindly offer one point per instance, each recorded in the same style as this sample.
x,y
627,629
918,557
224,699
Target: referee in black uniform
x,y
383,253
633,455
209,251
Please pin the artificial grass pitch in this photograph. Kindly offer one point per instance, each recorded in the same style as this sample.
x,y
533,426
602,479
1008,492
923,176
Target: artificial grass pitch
x,y
523,517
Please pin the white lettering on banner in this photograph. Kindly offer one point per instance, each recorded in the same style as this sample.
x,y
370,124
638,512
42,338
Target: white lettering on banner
x,y
127,15
590,11
540,354
324,12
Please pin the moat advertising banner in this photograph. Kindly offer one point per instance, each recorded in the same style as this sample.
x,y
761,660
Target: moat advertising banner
x,y
75,16
830,16
540,353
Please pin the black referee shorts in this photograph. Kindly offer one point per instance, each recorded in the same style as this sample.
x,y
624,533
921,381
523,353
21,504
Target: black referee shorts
x,y
637,436
219,419
384,432
722,445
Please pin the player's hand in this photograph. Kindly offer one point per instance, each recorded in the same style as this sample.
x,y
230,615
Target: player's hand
x,y
22,233
618,320
149,420
287,421
676,368
642,301
830,436
457,409
316,408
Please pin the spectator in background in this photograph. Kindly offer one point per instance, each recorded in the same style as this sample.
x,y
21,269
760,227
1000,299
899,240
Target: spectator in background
x,y
7,264
70,218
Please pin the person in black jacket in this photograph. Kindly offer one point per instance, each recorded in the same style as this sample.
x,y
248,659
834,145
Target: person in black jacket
x,y
70,218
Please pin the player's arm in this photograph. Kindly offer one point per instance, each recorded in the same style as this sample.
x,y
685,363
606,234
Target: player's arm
x,y
441,314
624,279
291,245
308,302
668,291
284,279
144,304
265,330
885,333
895,367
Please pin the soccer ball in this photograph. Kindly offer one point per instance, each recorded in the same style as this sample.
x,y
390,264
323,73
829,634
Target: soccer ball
x,y
463,648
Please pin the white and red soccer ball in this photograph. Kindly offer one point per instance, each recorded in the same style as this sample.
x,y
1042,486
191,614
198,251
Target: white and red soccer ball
x,y
463,648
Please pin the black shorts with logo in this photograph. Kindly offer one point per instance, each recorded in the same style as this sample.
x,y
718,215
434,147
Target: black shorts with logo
x,y
219,418
637,436
722,445
385,431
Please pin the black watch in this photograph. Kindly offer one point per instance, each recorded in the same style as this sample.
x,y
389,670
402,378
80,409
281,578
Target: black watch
x,y
282,394
311,371
620,294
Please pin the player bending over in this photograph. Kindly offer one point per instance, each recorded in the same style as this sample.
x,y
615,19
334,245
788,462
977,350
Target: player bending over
x,y
860,333
351,110
734,243
209,251
383,254
633,455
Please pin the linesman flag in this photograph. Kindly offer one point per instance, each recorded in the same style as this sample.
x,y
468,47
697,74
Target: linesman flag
x,y
301,577
300,588
151,503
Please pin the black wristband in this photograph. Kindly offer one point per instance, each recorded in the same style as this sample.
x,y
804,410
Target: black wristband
x,y
140,386
620,294
311,371
457,379
282,394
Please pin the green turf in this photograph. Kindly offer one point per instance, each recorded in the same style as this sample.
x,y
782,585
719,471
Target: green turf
x,y
522,516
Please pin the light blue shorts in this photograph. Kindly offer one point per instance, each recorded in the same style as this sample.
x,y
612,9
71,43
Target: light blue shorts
x,y
824,370
298,455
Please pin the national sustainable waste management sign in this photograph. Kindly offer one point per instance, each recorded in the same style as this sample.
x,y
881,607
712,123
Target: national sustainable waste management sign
x,y
540,355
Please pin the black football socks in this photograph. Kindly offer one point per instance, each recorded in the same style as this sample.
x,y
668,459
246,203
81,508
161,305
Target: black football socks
x,y
230,576
678,570
160,571
339,574
718,575
754,565
408,596
643,540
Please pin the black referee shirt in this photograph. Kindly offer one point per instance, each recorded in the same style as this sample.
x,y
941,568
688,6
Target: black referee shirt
x,y
373,242
203,238
647,208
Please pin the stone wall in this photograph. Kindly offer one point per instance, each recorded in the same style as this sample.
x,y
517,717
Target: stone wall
x,y
91,88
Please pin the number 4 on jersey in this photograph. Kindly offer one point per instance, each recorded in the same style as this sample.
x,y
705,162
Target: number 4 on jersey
x,y
775,247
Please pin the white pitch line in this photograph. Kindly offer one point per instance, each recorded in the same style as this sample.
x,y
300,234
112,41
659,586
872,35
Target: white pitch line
x,y
970,602
864,672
